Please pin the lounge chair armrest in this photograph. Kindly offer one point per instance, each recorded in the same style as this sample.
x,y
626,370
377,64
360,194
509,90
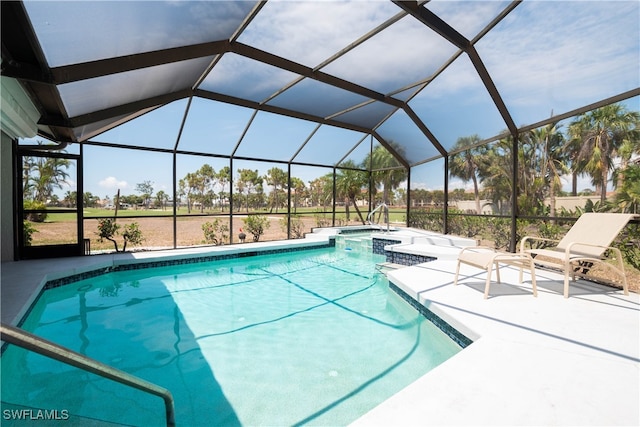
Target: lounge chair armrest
x,y
541,239
570,248
471,248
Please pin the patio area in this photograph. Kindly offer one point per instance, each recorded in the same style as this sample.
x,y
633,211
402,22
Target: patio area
x,y
534,361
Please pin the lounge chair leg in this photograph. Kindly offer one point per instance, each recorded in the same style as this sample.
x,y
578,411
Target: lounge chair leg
x,y
497,272
455,279
566,284
488,283
618,255
533,279
520,276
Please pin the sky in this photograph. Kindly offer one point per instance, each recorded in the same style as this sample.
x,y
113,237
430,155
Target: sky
x,y
546,57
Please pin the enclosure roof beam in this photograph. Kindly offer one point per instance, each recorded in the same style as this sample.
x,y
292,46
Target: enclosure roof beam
x,y
276,110
434,22
304,71
113,112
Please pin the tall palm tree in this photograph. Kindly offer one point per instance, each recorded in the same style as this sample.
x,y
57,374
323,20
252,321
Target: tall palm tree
x,y
45,175
386,170
466,164
629,148
28,164
628,194
321,191
602,132
572,148
495,172
349,184
549,142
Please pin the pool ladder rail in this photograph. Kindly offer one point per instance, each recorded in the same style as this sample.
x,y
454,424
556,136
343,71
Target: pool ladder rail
x,y
385,210
24,339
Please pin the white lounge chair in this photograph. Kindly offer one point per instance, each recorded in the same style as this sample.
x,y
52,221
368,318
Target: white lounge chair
x,y
486,258
584,244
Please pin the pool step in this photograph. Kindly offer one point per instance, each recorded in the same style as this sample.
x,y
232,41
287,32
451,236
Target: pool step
x,y
362,244
385,267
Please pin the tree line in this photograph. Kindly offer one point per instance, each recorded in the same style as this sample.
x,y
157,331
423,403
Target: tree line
x,y
208,189
602,144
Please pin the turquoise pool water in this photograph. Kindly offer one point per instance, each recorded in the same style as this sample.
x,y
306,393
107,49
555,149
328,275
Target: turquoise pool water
x,y
313,337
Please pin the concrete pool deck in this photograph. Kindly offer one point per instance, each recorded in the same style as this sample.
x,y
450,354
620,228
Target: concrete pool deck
x,y
534,361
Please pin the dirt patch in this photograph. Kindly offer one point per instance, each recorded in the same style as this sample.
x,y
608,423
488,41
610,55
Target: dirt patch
x,y
158,231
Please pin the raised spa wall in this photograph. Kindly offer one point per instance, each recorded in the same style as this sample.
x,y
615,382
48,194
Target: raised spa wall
x,y
403,246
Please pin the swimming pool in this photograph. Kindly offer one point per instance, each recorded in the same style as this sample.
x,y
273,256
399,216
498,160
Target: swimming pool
x,y
312,337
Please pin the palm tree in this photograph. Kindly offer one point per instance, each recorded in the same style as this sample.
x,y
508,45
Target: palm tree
x,y
386,171
495,172
602,133
572,148
466,164
629,148
28,164
321,190
44,175
548,142
349,184
628,195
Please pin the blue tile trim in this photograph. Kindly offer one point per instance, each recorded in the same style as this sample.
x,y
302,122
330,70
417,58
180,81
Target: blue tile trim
x,y
357,230
451,332
379,244
54,283
407,259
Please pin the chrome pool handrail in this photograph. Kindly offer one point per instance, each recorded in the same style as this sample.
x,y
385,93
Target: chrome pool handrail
x,y
31,342
386,214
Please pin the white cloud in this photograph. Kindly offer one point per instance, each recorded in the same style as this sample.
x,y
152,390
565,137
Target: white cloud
x,y
112,183
291,28
564,50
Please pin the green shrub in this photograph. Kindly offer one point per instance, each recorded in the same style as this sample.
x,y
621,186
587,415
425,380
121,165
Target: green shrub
x,y
33,216
256,225
629,244
426,220
322,220
297,226
214,233
500,231
108,229
466,226
28,229
548,230
132,234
